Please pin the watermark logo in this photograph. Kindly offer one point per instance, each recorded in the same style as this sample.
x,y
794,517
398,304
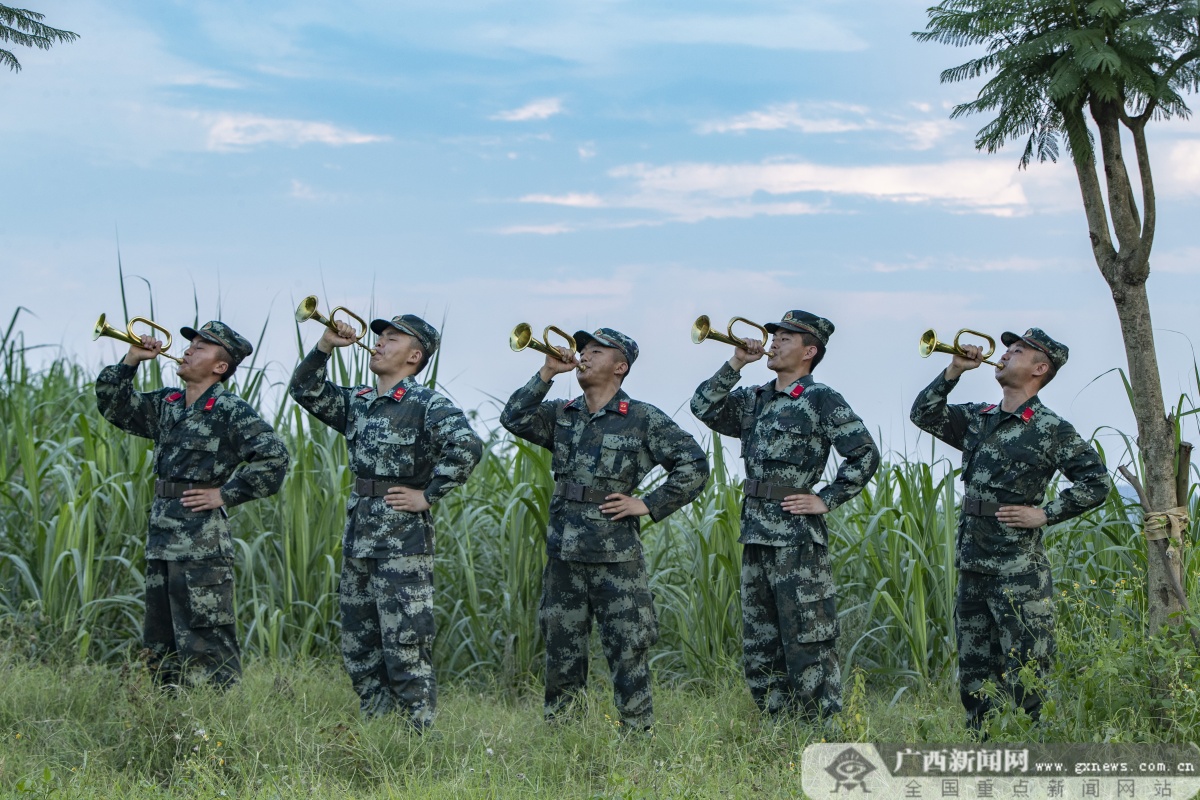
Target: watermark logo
x,y
849,770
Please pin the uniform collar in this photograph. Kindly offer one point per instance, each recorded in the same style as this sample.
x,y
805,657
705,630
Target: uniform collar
x,y
396,393
619,404
793,390
206,400
1025,412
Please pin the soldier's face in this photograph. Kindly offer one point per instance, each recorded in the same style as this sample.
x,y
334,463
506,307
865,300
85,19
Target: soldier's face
x,y
1021,364
788,351
598,364
202,360
393,350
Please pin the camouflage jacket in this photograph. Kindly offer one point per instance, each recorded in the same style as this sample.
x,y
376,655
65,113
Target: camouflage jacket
x,y
219,440
786,436
611,451
411,435
1010,458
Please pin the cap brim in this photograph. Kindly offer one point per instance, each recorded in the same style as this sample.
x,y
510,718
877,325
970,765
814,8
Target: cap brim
x,y
378,326
583,339
192,333
1008,337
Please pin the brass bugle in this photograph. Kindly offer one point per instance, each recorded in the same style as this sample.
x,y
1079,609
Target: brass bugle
x,y
702,329
129,337
308,310
930,344
522,337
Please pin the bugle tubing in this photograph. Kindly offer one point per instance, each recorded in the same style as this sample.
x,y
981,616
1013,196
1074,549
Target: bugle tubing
x,y
308,310
522,338
102,328
930,344
702,329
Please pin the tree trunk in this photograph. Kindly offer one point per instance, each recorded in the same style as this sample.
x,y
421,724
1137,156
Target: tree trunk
x,y
1156,444
1125,271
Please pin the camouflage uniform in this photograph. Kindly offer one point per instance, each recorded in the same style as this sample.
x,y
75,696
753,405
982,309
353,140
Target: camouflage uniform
x,y
789,608
219,440
410,436
1004,613
595,566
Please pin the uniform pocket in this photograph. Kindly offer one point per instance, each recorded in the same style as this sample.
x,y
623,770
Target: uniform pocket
x,y
202,444
396,453
406,607
618,456
210,595
788,440
818,621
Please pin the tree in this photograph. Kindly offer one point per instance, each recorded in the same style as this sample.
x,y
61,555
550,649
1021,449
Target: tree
x,y
1077,72
25,28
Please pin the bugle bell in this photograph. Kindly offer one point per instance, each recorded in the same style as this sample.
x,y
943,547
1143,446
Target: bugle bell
x,y
522,338
702,329
129,337
930,344
308,310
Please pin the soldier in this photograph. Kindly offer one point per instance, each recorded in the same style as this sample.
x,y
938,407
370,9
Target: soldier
x,y
1004,615
603,443
409,447
786,427
212,452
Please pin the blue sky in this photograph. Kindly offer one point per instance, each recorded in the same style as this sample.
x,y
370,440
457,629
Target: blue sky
x,y
631,164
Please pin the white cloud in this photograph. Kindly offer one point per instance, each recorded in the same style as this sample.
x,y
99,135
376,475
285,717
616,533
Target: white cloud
x,y
983,185
1013,264
587,150
1184,261
538,109
1181,175
832,118
539,230
571,200
241,131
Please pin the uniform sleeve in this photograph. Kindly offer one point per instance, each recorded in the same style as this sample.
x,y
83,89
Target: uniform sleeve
x,y
263,455
853,442
676,451
717,406
1082,466
458,448
526,416
318,396
131,411
932,413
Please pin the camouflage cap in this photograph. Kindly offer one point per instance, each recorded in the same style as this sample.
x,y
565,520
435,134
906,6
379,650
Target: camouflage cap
x,y
607,337
804,322
1036,338
414,326
218,332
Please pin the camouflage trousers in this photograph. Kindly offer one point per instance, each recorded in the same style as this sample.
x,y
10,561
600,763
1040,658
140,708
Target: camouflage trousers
x,y
387,635
618,595
189,628
790,628
1001,623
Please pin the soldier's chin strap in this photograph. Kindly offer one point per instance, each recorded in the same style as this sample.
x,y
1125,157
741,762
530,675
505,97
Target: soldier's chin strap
x,y
1166,524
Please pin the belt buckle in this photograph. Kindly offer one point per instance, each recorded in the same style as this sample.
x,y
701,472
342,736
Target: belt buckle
x,y
751,487
575,492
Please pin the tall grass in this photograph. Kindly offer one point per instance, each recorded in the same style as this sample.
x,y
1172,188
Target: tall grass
x,y
75,492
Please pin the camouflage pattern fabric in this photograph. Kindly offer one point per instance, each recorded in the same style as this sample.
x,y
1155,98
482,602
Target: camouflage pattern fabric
x,y
387,635
1000,625
618,595
411,434
790,628
1010,458
415,436
595,566
189,627
789,608
220,440
612,451
786,436
1003,616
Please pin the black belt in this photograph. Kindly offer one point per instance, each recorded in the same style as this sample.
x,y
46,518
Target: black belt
x,y
377,487
974,507
770,491
176,489
580,493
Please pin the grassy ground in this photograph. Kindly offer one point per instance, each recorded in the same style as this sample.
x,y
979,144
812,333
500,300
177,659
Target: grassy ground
x,y
293,730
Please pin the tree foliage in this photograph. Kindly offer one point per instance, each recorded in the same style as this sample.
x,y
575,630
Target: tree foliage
x,y
1050,60
25,29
